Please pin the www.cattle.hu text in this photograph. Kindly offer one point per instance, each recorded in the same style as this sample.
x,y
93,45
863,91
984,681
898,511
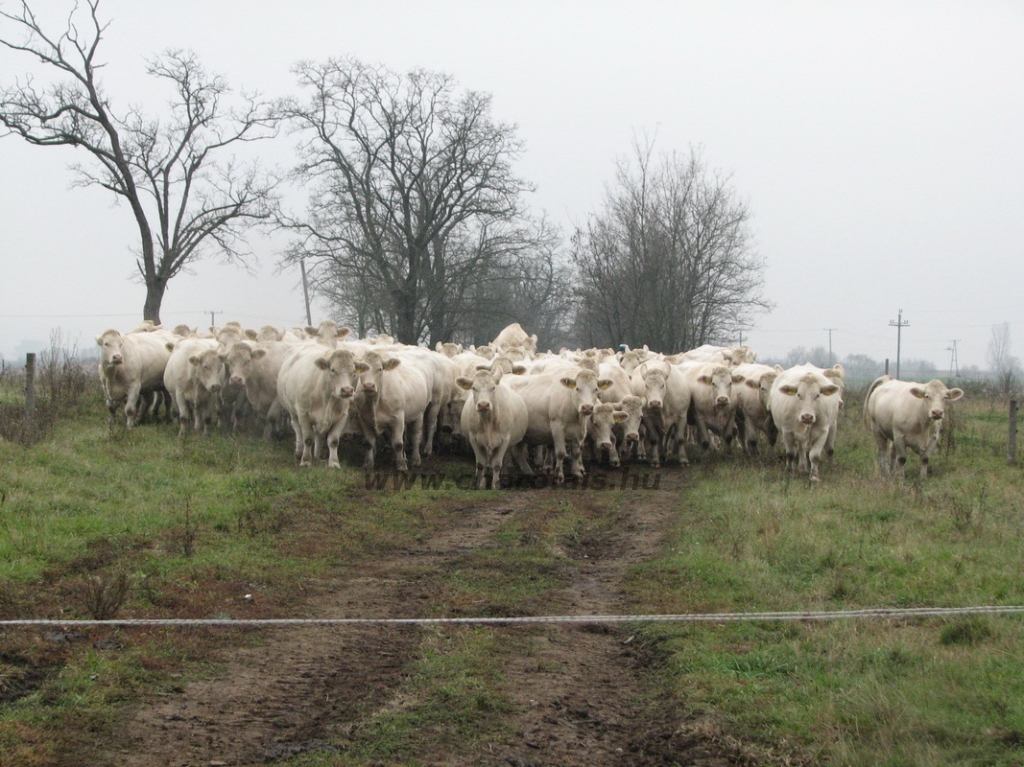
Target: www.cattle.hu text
x,y
621,480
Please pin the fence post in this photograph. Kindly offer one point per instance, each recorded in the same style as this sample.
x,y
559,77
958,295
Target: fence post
x,y
1011,443
30,385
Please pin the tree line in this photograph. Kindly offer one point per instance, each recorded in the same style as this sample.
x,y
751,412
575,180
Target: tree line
x,y
416,223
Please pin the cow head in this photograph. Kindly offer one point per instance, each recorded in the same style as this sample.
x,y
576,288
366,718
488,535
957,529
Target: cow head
x,y
481,388
935,394
656,385
372,378
719,378
208,369
808,391
342,370
585,386
633,407
604,417
111,344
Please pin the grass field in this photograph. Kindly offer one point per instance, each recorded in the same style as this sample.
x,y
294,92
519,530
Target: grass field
x,y
98,522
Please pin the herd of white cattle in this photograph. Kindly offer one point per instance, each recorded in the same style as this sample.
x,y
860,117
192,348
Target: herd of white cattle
x,y
512,404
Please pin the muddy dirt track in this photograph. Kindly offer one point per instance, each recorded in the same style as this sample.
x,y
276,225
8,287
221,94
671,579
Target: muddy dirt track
x,y
580,693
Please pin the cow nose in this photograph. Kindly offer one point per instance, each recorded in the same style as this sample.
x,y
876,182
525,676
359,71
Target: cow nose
x,y
807,418
236,380
369,388
722,401
937,415
655,403
116,359
606,445
632,437
483,405
347,391
215,388
586,409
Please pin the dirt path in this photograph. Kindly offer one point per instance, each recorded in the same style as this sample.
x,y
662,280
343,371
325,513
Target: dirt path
x,y
579,689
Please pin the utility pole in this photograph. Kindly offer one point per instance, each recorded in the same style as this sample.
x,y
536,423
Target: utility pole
x,y
899,324
831,362
305,291
212,323
954,363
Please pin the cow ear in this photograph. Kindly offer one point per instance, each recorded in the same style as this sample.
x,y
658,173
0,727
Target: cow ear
x,y
751,383
619,416
605,383
918,392
223,357
464,383
829,390
193,360
362,367
322,363
569,383
738,378
518,370
251,334
788,390
169,346
952,394
392,363
779,368
705,379
258,354
344,332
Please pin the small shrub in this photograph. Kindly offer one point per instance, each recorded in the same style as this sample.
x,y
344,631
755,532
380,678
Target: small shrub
x,y
104,595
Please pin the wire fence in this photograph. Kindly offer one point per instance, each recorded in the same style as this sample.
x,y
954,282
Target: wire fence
x,y
823,615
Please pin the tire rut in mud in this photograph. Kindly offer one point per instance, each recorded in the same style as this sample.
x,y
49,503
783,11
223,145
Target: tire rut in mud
x,y
580,692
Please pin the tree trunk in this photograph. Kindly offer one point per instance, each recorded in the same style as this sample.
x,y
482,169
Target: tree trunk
x,y
154,298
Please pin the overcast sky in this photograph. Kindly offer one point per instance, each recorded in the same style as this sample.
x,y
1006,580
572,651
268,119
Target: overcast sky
x,y
880,146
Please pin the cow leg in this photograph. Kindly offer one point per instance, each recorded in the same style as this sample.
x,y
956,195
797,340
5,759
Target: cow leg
x,y
497,461
131,405
397,427
790,446
430,420
558,436
882,443
899,443
415,439
333,440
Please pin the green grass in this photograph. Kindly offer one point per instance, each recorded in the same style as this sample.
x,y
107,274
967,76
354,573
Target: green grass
x,y
867,692
194,523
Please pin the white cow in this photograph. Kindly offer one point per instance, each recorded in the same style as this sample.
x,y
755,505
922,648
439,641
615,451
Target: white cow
x,y
712,406
667,401
904,414
315,385
194,376
255,367
559,405
805,407
394,394
132,366
494,420
514,335
601,431
752,384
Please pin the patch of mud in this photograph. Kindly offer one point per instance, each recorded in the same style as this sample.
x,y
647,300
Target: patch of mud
x,y
579,691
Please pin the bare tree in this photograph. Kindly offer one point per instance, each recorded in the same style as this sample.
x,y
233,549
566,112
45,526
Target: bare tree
x,y
185,202
412,198
668,262
1003,365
